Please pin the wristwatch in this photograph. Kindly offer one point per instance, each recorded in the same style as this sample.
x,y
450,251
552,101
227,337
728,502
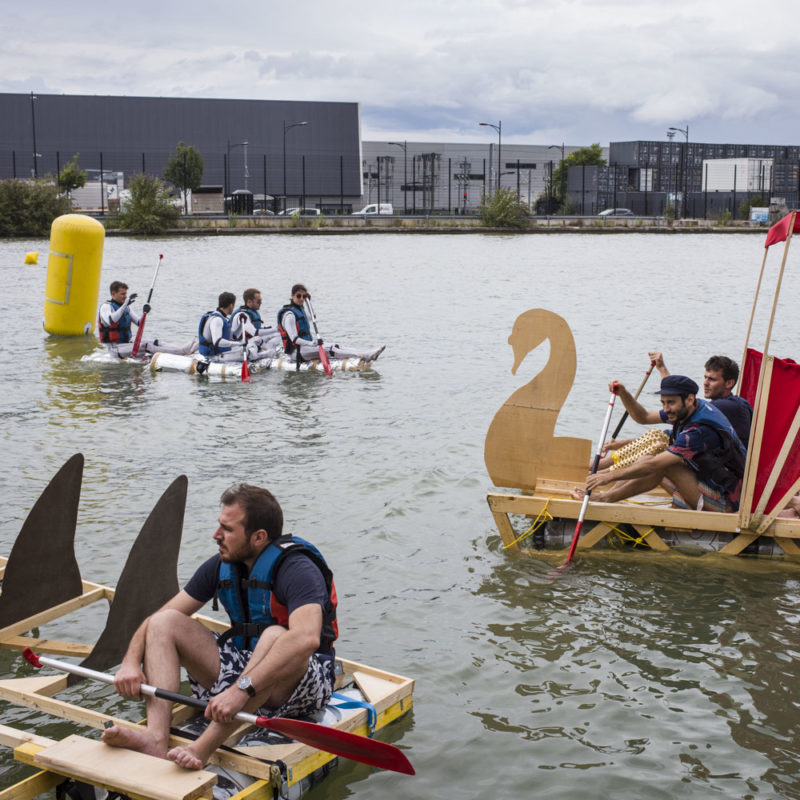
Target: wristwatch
x,y
246,685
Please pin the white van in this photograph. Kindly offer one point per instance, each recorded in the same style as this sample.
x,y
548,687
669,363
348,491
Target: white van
x,y
385,208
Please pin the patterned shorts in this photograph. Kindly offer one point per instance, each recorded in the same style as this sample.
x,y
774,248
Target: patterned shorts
x,y
310,695
712,498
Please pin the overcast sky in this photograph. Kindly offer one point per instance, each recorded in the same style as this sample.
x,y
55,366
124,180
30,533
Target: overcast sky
x,y
573,71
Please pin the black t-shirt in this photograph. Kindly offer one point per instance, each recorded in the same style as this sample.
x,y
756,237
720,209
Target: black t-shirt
x,y
297,583
739,414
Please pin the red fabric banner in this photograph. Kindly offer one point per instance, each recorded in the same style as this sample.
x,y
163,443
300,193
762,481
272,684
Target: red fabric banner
x,y
782,404
779,232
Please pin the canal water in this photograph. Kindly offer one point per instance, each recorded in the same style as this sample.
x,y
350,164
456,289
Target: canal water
x,y
632,675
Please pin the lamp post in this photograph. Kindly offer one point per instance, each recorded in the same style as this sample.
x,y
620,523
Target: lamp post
x,y
499,129
33,127
287,127
561,148
404,145
684,164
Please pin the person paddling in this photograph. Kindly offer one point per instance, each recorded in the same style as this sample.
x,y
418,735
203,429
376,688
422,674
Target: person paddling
x,y
294,327
217,342
277,658
247,325
114,322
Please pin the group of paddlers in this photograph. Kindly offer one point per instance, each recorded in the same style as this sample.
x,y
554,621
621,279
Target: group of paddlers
x,y
226,333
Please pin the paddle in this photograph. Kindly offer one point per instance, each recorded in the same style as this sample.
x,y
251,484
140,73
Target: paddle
x,y
331,740
245,368
323,356
138,340
597,456
635,397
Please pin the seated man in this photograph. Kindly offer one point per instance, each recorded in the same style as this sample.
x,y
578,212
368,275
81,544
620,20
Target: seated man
x,y
262,341
705,460
294,325
114,326
721,374
217,342
277,659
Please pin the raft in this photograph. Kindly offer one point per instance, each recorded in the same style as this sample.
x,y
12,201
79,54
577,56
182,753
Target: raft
x,y
522,453
253,763
167,362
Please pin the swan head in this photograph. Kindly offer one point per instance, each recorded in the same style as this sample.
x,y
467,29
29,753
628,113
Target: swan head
x,y
531,328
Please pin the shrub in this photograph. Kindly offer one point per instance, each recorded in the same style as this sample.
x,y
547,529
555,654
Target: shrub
x,y
149,210
28,208
502,209
724,217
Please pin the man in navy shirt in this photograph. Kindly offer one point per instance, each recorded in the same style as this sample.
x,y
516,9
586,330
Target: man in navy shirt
x,y
276,660
704,462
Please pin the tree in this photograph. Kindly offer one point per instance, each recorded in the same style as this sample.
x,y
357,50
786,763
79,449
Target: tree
x,y
150,209
184,170
503,209
588,156
28,208
72,176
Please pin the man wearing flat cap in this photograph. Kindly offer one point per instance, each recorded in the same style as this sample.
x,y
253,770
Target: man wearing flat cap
x,y
704,460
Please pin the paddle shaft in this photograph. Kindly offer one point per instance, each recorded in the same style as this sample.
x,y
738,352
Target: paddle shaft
x,y
597,456
245,370
322,737
635,397
138,340
323,356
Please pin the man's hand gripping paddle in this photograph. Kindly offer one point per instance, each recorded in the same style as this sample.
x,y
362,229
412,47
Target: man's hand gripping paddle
x,y
331,740
138,340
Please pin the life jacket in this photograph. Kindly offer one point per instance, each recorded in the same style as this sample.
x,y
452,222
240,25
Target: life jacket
x,y
255,317
206,347
250,603
303,328
724,465
118,332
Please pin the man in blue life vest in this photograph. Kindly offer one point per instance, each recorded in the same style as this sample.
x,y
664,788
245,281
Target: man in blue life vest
x,y
294,327
721,375
277,659
114,326
262,341
704,460
217,342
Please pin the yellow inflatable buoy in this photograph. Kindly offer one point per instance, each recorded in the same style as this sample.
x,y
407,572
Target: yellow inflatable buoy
x,y
73,275
32,258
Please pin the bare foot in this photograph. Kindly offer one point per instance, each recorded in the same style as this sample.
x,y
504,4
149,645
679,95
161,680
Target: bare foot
x,y
184,757
577,493
131,739
598,497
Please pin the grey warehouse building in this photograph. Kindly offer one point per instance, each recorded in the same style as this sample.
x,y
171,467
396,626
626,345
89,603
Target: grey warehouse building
x,y
298,152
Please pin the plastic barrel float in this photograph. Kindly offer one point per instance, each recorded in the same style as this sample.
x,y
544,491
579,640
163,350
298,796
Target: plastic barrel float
x,y
73,275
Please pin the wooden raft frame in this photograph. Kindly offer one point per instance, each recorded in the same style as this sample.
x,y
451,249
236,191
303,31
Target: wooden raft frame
x,y
269,765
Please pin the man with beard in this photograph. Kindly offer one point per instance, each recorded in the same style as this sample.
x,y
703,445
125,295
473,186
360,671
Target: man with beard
x,y
704,460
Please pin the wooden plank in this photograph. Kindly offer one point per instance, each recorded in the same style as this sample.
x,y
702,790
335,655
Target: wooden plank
x,y
756,435
651,538
739,543
766,521
507,532
123,770
594,535
788,546
48,646
27,624
13,737
32,786
615,512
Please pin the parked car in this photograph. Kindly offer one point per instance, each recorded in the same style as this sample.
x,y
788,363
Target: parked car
x,y
303,212
616,212
372,209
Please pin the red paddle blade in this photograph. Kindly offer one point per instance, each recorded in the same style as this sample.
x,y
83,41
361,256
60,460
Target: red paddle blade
x,y
325,361
245,372
138,340
341,743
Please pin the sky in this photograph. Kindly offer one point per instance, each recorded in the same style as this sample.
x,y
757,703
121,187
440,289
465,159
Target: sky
x,y
563,71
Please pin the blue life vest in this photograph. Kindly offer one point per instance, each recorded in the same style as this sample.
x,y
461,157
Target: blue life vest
x,y
118,332
725,464
255,317
250,603
206,347
303,328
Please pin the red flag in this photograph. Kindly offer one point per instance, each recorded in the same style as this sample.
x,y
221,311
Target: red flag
x,y
779,232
